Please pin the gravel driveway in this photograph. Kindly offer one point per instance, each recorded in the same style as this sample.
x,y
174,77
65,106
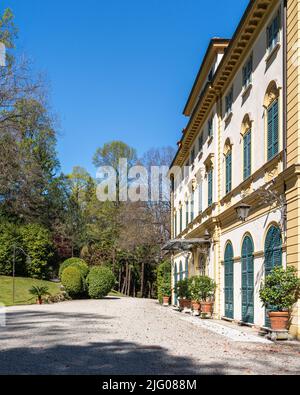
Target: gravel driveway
x,y
128,336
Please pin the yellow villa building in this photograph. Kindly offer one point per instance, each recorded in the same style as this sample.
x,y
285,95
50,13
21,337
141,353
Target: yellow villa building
x,y
236,175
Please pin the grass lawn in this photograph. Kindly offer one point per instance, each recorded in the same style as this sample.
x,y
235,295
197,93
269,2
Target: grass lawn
x,y
22,290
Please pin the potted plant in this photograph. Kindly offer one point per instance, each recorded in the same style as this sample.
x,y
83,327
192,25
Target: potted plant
x,y
166,291
279,293
183,293
194,291
207,292
39,292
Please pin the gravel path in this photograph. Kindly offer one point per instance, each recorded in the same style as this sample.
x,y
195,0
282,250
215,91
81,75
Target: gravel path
x,y
128,336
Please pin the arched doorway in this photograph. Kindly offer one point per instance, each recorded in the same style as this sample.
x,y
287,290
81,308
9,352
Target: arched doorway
x,y
229,282
248,280
273,257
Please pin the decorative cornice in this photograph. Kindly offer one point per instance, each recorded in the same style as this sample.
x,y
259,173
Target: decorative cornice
x,y
245,35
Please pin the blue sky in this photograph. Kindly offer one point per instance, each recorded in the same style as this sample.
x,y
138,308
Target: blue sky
x,y
119,69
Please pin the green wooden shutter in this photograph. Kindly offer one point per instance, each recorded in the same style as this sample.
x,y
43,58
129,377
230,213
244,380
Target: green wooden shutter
x,y
273,134
181,224
228,172
229,282
180,271
247,154
273,258
175,225
210,187
187,268
248,280
192,206
275,129
200,198
186,213
270,133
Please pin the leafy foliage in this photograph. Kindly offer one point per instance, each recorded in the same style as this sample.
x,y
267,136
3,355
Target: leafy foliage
x,y
100,281
281,288
201,288
182,289
72,281
164,287
75,262
39,291
37,243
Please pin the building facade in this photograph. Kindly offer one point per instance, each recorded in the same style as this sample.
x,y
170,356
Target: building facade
x,y
236,185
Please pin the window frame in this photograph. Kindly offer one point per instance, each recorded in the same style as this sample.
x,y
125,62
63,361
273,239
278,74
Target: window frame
x,y
248,72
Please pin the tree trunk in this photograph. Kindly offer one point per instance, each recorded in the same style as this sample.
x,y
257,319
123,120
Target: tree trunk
x,y
129,282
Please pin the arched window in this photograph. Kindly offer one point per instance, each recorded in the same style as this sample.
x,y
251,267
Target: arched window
x,y
228,166
271,105
187,268
248,280
180,271
247,146
273,257
229,281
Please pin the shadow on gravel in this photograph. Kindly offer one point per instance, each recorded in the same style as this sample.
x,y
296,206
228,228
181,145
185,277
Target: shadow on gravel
x,y
115,358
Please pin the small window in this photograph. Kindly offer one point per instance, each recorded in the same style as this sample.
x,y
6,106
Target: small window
x,y
229,102
210,127
180,220
201,142
187,213
247,154
247,72
192,206
193,156
228,161
210,187
273,32
210,75
273,138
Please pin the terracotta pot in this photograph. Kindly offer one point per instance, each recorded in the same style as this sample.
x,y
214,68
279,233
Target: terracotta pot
x,y
279,320
196,305
207,307
40,301
166,300
185,304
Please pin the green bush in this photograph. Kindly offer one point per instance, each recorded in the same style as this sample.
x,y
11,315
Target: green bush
x,y
281,288
72,281
100,282
9,236
164,287
201,288
37,243
75,262
182,289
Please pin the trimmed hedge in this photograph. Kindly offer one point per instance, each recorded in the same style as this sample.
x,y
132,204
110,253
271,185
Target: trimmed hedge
x,y
100,282
73,281
80,264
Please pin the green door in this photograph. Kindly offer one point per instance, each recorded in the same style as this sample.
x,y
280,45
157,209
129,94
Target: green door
x,y
248,281
273,258
180,271
229,287
175,284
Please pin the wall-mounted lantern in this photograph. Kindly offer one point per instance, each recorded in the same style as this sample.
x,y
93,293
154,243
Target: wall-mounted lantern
x,y
243,211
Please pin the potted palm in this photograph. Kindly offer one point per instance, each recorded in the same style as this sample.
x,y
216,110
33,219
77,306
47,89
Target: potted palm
x,y
39,292
207,293
280,289
183,293
194,291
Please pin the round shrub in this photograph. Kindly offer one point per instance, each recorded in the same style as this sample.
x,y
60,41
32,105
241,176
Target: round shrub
x,y
75,262
72,281
100,282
